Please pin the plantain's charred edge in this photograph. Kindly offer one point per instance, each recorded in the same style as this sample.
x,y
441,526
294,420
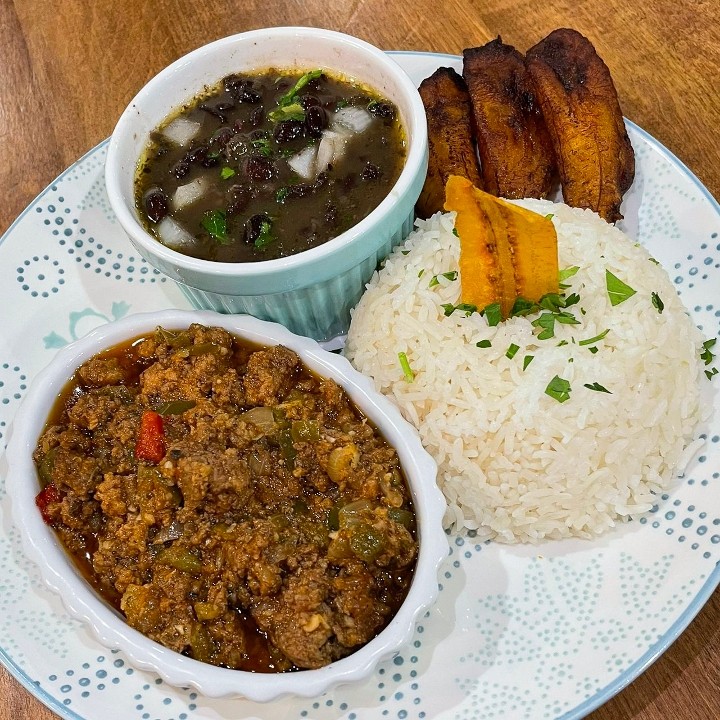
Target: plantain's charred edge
x,y
443,77
568,61
513,142
571,57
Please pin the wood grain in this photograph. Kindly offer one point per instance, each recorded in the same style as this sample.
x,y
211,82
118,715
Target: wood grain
x,y
69,69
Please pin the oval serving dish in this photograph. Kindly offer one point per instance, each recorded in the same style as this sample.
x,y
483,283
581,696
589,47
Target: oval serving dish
x,y
58,570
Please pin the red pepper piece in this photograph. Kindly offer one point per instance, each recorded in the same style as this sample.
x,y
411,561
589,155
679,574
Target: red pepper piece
x,y
150,445
49,494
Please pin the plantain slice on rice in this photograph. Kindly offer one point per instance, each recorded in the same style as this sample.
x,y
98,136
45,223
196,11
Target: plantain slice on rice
x,y
450,140
506,251
515,151
578,99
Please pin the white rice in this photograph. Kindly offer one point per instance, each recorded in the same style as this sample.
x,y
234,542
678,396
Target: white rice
x,y
514,463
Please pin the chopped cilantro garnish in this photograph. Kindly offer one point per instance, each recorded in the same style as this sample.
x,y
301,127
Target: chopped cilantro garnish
x,y
653,260
452,275
617,290
597,387
706,355
567,273
405,365
512,350
593,340
558,389
527,360
546,321
562,342
483,344
421,273
658,304
262,145
493,314
281,194
226,172
709,373
289,96
593,349
467,308
215,222
293,111
549,216
522,306
455,232
265,237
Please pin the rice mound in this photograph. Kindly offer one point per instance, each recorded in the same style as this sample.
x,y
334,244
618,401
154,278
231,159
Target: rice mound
x,y
514,463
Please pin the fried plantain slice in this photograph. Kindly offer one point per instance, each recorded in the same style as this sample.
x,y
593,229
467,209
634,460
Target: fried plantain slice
x,y
514,146
450,140
578,99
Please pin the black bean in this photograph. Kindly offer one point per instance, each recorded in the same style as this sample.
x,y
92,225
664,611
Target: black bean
x,y
253,228
156,204
180,169
289,130
196,155
308,101
219,111
221,137
382,109
238,196
260,169
241,89
315,121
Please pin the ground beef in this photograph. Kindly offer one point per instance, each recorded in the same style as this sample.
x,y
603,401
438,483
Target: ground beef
x,y
235,507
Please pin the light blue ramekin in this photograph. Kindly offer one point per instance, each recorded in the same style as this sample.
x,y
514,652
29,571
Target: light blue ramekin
x,y
311,293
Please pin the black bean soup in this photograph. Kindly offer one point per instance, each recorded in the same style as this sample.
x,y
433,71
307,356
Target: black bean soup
x,y
267,165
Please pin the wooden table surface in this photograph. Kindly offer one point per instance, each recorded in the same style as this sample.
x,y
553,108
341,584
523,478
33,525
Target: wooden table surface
x,y
68,69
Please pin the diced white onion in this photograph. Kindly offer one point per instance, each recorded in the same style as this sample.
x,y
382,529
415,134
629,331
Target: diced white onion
x,y
354,118
173,234
181,131
189,193
304,162
331,148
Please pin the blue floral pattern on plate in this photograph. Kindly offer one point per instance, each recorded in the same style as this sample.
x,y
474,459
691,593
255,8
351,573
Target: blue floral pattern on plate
x,y
519,632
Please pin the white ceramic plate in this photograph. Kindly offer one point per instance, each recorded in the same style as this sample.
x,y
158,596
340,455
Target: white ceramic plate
x,y
518,632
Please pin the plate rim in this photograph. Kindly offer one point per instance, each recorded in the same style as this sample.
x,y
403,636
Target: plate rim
x,y
591,703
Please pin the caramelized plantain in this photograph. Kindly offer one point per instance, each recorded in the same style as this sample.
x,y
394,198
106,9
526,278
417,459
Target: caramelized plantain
x,y
515,150
506,251
578,99
452,151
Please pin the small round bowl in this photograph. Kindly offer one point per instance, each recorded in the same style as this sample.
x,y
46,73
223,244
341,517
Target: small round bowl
x,y
310,292
42,546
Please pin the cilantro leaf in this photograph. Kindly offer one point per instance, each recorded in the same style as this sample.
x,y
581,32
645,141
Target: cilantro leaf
x,y
567,273
405,365
558,389
546,321
527,360
658,304
617,290
289,96
215,222
265,237
706,355
483,344
292,111
593,340
492,314
226,172
597,387
512,351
